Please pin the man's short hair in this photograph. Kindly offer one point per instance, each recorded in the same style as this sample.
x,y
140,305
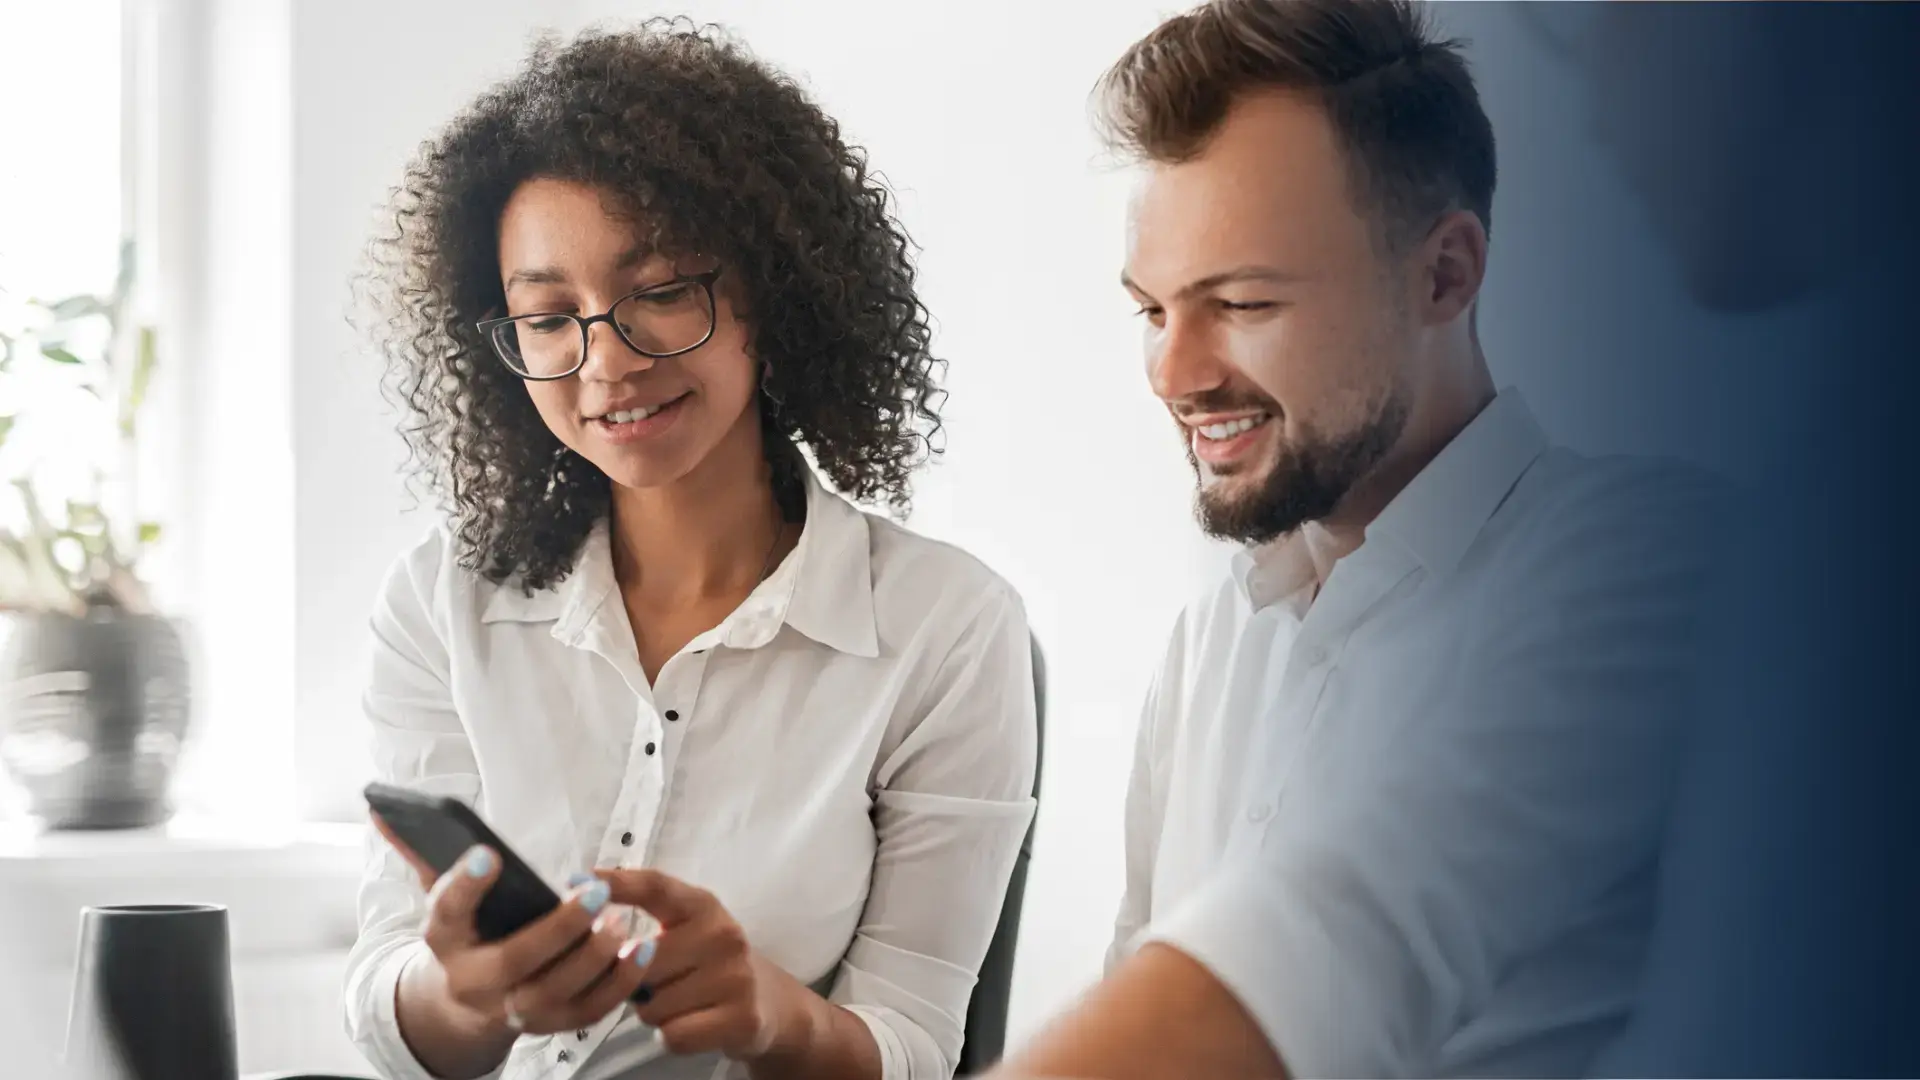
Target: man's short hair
x,y
1401,99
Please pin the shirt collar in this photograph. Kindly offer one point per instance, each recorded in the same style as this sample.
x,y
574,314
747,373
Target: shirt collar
x,y
1436,517
823,589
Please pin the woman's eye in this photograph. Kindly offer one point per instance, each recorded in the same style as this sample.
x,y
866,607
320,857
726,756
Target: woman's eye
x,y
665,296
1247,305
545,324
1152,313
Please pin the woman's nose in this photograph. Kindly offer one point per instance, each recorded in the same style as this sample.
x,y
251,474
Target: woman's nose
x,y
609,358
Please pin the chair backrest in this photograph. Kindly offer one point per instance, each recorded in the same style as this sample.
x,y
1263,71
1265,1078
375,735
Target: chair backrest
x,y
986,1032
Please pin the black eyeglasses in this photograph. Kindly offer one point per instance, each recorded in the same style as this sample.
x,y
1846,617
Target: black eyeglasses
x,y
663,320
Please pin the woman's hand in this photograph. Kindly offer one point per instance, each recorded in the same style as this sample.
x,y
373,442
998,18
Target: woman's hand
x,y
706,988
562,972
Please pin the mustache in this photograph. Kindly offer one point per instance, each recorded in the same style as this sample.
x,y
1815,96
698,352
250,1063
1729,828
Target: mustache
x,y
1222,399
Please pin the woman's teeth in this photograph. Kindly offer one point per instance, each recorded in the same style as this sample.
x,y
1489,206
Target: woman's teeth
x,y
1234,427
628,416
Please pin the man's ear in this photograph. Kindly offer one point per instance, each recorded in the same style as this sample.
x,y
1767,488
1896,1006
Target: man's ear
x,y
1453,264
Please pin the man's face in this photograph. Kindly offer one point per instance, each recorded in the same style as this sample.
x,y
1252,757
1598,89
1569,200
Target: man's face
x,y
1278,331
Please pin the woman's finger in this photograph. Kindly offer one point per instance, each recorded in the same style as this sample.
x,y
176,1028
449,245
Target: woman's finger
x,y
551,993
455,898
668,899
614,988
528,951
689,993
427,874
696,1032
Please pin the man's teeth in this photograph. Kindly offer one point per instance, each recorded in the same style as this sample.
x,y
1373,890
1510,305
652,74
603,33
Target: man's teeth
x,y
1233,427
628,416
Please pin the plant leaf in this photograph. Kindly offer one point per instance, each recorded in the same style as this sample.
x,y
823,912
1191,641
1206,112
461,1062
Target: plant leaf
x,y
6,426
59,355
36,548
129,266
149,532
145,350
85,517
75,307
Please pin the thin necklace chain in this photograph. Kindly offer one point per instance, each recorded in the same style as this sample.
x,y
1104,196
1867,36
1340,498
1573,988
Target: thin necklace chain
x,y
766,565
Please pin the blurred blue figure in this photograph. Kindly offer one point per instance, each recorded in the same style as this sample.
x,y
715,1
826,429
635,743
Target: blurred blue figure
x,y
1771,144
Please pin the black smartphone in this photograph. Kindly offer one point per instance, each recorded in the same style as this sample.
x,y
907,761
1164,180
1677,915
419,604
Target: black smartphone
x,y
441,830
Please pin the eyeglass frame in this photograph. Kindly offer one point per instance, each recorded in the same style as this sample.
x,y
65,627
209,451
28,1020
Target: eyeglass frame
x,y
704,279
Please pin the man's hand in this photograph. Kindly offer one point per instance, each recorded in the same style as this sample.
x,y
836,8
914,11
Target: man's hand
x,y
1160,1014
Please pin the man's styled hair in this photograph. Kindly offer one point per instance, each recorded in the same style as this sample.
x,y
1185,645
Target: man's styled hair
x,y
1401,99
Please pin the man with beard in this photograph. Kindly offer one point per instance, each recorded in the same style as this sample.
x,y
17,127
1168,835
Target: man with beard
x,y
1398,787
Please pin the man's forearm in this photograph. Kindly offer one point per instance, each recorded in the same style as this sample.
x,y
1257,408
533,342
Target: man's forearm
x,y
1160,1014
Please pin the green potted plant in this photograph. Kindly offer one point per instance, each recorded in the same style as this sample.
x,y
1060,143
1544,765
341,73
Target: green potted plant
x,y
93,681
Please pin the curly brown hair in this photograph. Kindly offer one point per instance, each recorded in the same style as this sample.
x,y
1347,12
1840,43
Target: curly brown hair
x,y
709,150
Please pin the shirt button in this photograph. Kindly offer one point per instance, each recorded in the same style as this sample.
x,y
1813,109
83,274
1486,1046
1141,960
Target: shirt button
x,y
672,715
649,749
565,1057
1313,656
1259,813
581,1034
626,839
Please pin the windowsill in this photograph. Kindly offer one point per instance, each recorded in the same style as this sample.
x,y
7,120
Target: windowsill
x,y
25,845
289,889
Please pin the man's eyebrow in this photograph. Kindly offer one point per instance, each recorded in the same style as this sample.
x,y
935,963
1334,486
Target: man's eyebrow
x,y
1248,272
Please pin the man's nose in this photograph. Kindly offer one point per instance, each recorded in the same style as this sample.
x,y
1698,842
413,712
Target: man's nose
x,y
1183,362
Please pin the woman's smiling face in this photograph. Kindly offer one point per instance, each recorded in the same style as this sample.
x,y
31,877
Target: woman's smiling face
x,y
644,421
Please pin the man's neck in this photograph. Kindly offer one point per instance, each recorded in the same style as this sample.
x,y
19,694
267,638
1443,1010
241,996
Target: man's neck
x,y
702,536
1449,403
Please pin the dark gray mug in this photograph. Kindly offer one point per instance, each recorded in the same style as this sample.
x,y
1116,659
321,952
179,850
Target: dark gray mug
x,y
152,995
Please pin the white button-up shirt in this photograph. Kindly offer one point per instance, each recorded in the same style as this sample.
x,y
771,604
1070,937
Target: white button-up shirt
x,y
846,762
1410,822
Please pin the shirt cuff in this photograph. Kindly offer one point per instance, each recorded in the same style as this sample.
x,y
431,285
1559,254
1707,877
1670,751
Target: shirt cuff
x,y
1310,1001
377,1032
895,1062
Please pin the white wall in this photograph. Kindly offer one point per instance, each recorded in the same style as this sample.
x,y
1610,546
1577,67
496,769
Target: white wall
x,y
371,80
1061,471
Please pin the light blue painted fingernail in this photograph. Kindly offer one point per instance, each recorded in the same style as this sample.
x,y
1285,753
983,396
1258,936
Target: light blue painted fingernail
x,y
479,862
578,878
643,953
595,897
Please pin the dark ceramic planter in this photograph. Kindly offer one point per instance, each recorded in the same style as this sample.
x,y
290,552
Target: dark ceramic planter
x,y
93,711
152,995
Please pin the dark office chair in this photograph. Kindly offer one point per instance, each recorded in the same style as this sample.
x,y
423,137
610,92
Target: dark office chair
x,y
986,1033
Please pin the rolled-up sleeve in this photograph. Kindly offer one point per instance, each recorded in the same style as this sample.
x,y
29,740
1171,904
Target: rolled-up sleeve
x,y
1408,875
953,804
1142,811
417,742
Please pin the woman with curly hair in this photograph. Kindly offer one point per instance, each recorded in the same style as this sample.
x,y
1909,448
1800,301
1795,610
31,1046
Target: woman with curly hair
x,y
627,287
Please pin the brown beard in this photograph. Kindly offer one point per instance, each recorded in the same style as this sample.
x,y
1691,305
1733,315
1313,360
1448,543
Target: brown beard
x,y
1305,482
